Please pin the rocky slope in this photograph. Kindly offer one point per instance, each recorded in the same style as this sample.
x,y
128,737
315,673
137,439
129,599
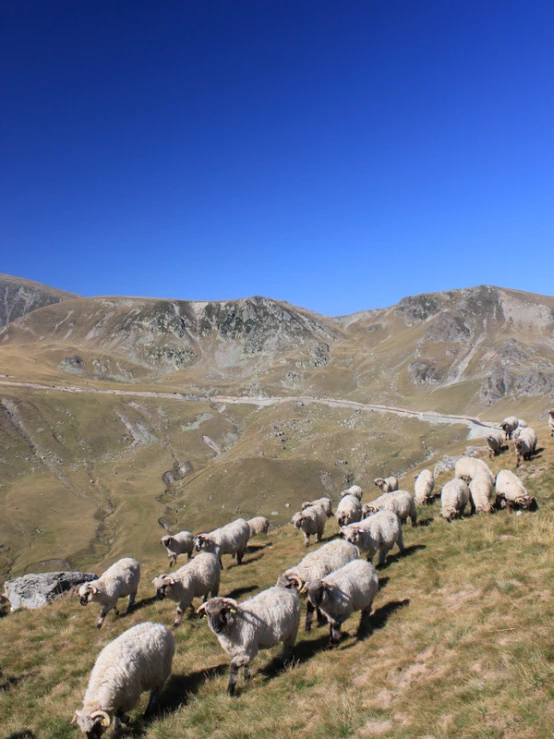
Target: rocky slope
x,y
19,297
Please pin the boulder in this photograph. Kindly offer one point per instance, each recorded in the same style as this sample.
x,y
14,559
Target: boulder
x,y
36,591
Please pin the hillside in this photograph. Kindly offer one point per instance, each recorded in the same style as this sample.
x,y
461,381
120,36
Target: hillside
x,y
19,297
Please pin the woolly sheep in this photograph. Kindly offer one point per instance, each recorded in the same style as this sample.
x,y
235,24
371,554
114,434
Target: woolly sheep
x,y
454,498
230,539
525,445
348,510
467,467
138,660
311,521
378,533
512,491
316,565
495,441
551,421
401,502
258,525
424,486
197,578
481,493
351,588
262,622
387,484
181,543
355,490
120,580
325,503
509,425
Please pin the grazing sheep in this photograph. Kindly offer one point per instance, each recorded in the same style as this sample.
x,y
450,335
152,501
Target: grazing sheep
x,y
258,525
424,486
230,539
181,543
467,467
495,441
325,503
349,510
525,445
120,580
316,565
378,533
481,493
262,622
454,498
387,484
138,660
551,421
512,491
509,425
197,578
355,490
351,588
401,502
311,521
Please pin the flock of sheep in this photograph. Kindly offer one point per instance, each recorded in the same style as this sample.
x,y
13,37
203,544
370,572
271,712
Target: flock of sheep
x,y
335,580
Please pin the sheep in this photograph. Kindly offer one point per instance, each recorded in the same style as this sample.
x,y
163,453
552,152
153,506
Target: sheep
x,y
551,421
387,484
351,588
197,578
349,510
424,486
495,441
325,503
230,539
454,498
181,543
138,660
311,521
511,490
262,622
481,493
379,532
316,565
467,467
401,502
120,580
258,525
509,425
525,445
355,490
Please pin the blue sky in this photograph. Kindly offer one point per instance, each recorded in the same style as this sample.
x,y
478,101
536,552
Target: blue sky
x,y
338,155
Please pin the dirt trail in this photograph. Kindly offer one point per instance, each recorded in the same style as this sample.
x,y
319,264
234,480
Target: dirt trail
x,y
476,427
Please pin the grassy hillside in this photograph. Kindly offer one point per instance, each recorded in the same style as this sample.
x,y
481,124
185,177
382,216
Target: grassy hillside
x,y
461,643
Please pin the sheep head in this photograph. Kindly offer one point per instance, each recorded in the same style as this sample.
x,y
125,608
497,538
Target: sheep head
x,y
200,541
297,520
162,584
167,541
317,592
380,482
87,591
352,533
92,724
221,613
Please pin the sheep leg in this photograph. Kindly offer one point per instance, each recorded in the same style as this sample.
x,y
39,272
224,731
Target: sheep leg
x,y
309,617
240,555
131,602
400,542
306,540
365,620
189,556
247,674
236,663
172,559
286,655
382,555
414,519
318,537
321,618
181,608
103,613
152,700
334,628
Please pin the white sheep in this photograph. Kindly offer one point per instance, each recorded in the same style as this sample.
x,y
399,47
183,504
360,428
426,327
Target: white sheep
x,y
258,525
325,503
181,543
495,442
509,425
351,588
525,445
512,491
355,490
424,486
138,660
378,533
386,484
401,502
311,521
118,581
316,565
349,510
467,467
454,498
551,421
262,622
481,493
195,579
230,539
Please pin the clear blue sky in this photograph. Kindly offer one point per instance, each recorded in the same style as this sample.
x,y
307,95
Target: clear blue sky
x,y
339,155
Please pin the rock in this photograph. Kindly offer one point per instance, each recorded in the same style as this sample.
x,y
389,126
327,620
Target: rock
x,y
36,591
497,386
418,307
422,372
447,328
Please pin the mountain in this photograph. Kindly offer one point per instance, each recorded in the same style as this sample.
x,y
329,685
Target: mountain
x,y
19,297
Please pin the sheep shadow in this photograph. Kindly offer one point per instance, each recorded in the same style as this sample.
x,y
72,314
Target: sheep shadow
x,y
25,734
377,620
251,548
383,582
303,651
408,551
425,521
13,682
237,592
143,603
244,561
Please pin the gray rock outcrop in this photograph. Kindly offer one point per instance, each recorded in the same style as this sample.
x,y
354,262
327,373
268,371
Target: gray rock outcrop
x,y
37,591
